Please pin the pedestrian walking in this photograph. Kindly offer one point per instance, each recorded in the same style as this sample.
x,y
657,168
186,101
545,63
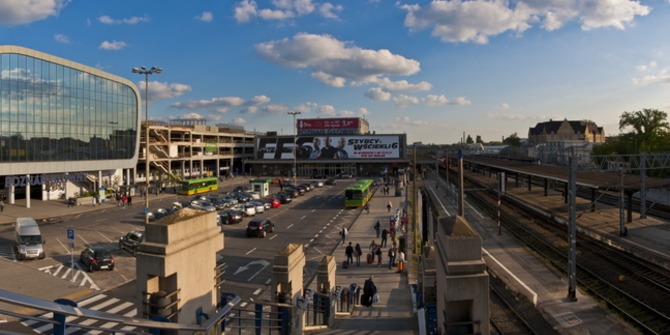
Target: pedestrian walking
x,y
378,253
367,208
389,206
358,253
385,235
343,233
349,253
2,206
378,226
392,256
124,200
130,200
369,292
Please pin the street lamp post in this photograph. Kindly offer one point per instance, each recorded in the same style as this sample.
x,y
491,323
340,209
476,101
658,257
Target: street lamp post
x,y
143,70
295,150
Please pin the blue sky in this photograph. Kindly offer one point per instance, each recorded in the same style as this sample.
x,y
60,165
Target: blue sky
x,y
431,69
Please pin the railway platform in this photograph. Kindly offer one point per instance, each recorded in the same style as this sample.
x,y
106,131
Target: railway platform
x,y
547,288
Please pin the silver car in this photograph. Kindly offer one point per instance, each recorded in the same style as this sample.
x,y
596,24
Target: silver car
x,y
203,205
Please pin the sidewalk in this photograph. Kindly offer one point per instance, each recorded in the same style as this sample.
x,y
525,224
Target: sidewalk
x,y
40,209
393,313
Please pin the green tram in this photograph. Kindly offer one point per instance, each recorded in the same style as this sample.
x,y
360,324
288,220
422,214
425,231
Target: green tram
x,y
358,194
196,186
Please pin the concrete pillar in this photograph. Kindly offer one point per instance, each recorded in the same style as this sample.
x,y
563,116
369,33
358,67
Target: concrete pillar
x,y
462,280
325,277
287,272
166,270
287,284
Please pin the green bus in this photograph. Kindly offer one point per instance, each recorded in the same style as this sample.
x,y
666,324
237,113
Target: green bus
x,y
358,194
195,186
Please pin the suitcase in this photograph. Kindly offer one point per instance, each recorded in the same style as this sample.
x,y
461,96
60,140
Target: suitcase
x,y
371,259
365,300
345,264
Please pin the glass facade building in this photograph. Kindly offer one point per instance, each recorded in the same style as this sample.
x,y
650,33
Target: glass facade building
x,y
57,116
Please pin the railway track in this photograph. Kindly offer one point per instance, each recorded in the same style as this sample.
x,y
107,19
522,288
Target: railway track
x,y
628,285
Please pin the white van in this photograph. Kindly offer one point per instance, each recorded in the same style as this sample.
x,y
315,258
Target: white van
x,y
29,242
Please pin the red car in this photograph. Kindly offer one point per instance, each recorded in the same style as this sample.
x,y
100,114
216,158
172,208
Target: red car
x,y
274,202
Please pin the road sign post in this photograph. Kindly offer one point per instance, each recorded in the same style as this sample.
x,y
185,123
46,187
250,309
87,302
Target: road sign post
x,y
70,243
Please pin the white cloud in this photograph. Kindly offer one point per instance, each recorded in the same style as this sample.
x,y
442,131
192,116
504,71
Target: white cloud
x,y
503,105
328,79
17,12
112,46
378,94
477,20
60,38
335,62
404,100
645,67
245,11
211,103
239,121
282,10
160,91
520,117
662,77
275,14
403,85
133,20
191,116
205,17
459,101
328,10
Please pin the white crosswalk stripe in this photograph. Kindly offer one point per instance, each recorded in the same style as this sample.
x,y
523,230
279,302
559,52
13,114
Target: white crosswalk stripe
x,y
100,302
71,274
7,251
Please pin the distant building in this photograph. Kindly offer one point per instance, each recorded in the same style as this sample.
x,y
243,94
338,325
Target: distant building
x,y
554,142
553,131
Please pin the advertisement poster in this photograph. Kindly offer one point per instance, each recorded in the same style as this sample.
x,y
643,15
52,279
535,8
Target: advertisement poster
x,y
329,147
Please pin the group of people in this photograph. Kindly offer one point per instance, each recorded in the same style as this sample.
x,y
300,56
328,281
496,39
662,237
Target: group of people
x,y
124,199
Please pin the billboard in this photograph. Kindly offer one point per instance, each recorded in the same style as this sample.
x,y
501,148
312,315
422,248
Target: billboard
x,y
329,147
325,124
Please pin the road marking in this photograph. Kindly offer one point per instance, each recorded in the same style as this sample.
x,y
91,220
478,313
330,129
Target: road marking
x,y
105,237
63,245
273,236
83,239
250,251
303,217
289,226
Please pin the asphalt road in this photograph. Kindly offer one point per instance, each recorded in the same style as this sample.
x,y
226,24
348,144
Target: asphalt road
x,y
312,220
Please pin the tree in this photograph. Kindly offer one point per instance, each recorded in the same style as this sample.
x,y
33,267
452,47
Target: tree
x,y
512,140
649,129
469,140
478,139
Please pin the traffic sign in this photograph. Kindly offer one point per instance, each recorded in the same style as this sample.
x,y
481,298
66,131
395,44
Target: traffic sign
x,y
70,234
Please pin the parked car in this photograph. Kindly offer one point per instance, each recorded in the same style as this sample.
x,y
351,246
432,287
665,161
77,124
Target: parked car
x,y
239,188
131,241
259,206
331,181
246,209
265,202
203,205
292,192
284,198
259,227
229,217
96,259
274,202
307,186
317,183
